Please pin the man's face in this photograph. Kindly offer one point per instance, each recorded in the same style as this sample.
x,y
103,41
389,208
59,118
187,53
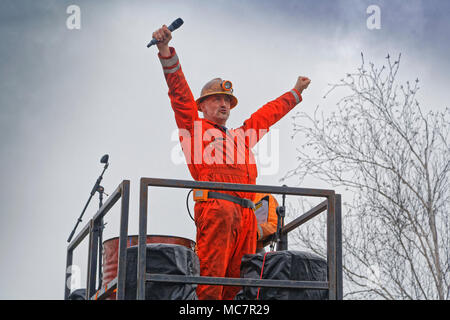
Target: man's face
x,y
216,108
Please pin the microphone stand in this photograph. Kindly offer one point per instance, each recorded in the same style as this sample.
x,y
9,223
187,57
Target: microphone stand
x,y
94,189
97,188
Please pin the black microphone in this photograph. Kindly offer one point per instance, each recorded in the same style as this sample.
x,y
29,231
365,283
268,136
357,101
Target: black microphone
x,y
174,26
104,159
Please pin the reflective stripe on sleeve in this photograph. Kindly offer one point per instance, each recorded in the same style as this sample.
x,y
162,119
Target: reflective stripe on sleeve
x,y
167,63
261,233
171,70
297,98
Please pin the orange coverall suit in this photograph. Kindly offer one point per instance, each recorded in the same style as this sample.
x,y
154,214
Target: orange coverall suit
x,y
225,230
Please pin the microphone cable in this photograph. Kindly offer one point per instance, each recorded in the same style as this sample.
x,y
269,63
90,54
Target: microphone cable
x,y
187,204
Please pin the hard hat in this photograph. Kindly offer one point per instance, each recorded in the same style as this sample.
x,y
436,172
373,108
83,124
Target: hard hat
x,y
218,86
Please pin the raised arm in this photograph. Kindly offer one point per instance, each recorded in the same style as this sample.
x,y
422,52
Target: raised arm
x,y
181,98
266,116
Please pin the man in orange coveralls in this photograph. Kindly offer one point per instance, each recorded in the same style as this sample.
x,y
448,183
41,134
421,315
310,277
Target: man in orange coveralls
x,y
226,224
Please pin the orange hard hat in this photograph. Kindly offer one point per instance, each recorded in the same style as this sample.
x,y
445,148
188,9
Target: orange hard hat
x,y
217,86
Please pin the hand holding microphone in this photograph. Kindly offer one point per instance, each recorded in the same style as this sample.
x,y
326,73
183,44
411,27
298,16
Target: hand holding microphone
x,y
163,35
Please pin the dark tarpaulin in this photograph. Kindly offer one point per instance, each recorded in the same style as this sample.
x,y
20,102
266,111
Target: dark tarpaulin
x,y
164,259
284,265
79,294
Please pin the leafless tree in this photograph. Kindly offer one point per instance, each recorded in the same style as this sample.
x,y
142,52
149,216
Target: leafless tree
x,y
393,159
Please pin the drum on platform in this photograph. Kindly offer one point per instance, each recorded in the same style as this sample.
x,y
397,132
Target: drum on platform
x,y
111,252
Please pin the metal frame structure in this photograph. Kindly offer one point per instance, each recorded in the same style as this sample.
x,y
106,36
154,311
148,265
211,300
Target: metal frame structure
x,y
331,204
92,229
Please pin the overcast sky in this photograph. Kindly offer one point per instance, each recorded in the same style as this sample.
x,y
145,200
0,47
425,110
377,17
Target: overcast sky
x,y
69,96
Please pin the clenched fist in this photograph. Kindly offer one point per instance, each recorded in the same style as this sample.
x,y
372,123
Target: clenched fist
x,y
302,83
163,35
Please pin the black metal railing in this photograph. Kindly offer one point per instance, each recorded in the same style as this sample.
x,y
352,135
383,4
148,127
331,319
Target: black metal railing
x,y
332,205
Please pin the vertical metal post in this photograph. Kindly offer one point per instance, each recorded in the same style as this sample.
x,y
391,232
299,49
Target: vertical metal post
x,y
92,259
338,221
67,283
122,265
284,237
283,240
100,239
142,242
331,247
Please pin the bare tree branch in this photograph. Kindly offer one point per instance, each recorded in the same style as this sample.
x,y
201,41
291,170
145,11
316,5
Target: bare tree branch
x,y
395,159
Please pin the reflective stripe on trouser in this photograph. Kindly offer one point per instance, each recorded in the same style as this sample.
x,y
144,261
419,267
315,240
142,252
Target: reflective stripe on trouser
x,y
225,233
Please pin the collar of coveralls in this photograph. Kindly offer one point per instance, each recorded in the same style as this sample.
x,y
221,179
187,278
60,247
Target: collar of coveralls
x,y
218,126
